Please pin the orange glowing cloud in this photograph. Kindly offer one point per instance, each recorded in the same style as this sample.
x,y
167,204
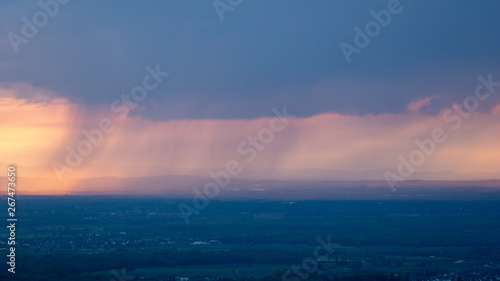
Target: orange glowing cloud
x,y
31,132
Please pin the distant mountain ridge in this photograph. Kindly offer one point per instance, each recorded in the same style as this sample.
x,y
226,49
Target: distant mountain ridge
x,y
179,186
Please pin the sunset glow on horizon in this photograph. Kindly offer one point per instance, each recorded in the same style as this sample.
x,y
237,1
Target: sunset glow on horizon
x,y
139,147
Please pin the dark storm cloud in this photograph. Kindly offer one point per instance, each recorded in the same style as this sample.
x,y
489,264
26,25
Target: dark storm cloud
x,y
263,54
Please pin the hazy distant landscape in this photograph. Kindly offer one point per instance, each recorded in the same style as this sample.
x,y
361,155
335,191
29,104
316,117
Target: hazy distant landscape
x,y
182,187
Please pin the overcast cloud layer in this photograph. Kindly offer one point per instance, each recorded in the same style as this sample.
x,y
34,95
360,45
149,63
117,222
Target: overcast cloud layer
x,y
263,54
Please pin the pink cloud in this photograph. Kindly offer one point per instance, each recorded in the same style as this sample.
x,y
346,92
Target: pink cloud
x,y
416,105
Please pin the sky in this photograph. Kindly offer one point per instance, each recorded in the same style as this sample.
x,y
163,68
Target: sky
x,y
216,73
